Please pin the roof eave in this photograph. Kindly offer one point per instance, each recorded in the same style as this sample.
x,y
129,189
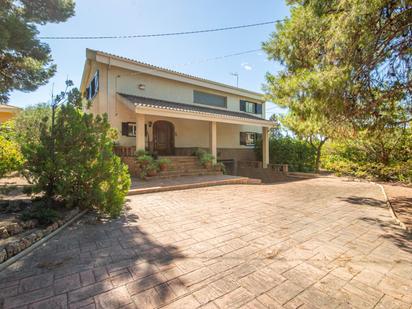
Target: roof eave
x,y
203,116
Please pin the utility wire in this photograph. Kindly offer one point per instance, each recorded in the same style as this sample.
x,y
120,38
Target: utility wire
x,y
219,57
134,36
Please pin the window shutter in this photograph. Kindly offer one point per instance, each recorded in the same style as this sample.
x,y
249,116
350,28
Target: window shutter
x,y
243,137
96,81
242,106
125,128
258,137
258,109
87,93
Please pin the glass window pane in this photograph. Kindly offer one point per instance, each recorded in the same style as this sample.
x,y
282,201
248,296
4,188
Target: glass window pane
x,y
209,99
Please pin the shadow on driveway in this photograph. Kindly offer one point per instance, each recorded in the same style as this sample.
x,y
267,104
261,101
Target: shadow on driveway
x,y
359,200
110,261
395,234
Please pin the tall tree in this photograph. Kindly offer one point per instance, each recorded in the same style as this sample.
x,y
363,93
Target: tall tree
x,y
349,61
25,62
313,131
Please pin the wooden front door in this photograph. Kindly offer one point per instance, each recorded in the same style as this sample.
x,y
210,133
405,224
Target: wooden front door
x,y
163,138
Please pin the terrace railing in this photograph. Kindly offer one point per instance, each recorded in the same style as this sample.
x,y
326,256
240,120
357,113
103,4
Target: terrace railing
x,y
125,151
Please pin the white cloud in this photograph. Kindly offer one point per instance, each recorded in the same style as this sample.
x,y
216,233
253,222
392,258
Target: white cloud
x,y
246,66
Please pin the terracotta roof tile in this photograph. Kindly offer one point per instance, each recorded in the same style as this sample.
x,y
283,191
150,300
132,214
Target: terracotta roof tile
x,y
161,104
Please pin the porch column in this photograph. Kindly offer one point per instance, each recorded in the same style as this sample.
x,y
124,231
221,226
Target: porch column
x,y
213,139
140,136
265,147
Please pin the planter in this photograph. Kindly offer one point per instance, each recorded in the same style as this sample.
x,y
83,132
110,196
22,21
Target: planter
x,y
163,167
151,173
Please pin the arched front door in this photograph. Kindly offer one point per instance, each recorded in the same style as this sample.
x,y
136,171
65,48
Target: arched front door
x,y
164,138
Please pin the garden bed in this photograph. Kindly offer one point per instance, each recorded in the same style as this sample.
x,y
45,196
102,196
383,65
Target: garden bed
x,y
25,220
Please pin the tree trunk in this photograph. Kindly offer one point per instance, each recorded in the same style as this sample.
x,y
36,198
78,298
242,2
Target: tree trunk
x,y
319,153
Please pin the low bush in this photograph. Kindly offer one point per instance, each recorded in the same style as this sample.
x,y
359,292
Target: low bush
x,y
220,167
11,158
147,164
298,154
144,160
44,215
164,164
360,159
205,158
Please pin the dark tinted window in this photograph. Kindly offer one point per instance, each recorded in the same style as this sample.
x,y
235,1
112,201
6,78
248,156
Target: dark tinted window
x,y
209,99
250,107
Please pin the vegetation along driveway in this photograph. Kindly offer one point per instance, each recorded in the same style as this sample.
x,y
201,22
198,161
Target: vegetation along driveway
x,y
309,244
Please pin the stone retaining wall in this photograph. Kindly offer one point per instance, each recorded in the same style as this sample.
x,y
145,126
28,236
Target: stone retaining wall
x,y
12,245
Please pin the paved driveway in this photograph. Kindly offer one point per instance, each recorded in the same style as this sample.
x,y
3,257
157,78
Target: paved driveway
x,y
308,244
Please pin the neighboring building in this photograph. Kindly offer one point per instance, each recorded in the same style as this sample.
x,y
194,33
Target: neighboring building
x,y
173,113
7,112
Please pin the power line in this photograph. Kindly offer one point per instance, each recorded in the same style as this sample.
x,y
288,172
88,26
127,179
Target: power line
x,y
219,57
134,36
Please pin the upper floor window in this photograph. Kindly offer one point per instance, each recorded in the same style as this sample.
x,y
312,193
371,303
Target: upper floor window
x,y
93,87
250,107
209,99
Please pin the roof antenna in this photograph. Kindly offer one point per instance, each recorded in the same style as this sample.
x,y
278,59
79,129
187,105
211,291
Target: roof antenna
x,y
237,78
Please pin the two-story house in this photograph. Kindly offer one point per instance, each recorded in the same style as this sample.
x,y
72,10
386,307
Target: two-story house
x,y
7,112
171,113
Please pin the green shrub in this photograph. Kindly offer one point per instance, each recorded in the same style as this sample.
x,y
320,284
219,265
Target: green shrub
x,y
76,161
144,160
204,157
141,152
207,159
11,158
199,153
164,163
351,158
27,122
298,154
44,215
220,167
150,169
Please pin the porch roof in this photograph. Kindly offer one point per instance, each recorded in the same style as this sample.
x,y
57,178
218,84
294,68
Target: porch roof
x,y
181,110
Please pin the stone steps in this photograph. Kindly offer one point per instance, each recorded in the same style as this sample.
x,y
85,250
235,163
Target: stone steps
x,y
184,166
172,174
191,183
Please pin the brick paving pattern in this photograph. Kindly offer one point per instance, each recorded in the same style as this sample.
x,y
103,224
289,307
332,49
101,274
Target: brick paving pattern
x,y
318,243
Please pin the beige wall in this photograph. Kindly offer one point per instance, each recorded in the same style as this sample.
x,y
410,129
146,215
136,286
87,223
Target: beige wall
x,y
4,116
189,133
115,80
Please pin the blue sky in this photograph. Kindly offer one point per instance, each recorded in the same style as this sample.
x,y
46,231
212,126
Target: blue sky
x,y
122,17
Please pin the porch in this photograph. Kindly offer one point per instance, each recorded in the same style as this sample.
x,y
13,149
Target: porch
x,y
172,129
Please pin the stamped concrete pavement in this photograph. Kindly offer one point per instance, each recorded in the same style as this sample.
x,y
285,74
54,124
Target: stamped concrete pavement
x,y
316,243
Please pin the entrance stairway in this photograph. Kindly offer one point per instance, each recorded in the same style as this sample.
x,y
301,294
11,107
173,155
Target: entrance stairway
x,y
185,166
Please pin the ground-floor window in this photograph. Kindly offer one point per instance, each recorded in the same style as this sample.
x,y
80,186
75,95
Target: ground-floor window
x,y
129,128
248,138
